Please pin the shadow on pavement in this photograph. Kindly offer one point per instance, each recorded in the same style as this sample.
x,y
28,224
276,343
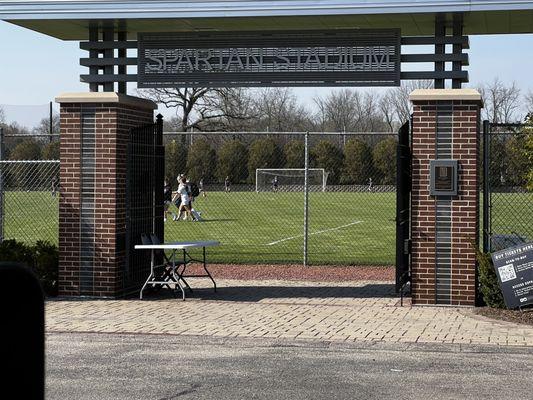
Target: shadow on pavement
x,y
258,293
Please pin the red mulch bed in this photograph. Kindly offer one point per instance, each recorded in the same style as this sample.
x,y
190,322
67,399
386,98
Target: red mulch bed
x,y
299,272
516,316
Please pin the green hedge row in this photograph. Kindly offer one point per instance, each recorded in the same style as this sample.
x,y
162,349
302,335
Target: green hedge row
x,y
353,163
488,281
42,258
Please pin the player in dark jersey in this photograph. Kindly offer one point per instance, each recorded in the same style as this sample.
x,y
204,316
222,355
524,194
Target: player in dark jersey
x,y
275,184
167,199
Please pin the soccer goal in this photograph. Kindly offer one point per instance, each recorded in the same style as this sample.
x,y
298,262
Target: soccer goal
x,y
290,179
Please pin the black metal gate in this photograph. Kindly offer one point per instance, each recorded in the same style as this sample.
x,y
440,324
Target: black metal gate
x,y
144,198
403,207
507,181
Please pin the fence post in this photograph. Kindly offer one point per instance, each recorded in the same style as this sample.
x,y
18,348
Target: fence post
x,y
159,131
51,137
486,186
306,198
1,185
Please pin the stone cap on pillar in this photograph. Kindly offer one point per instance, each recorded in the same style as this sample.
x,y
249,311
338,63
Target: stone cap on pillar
x,y
446,95
105,97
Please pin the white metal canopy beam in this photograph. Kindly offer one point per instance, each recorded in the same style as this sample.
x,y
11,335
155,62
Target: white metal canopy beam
x,y
82,9
69,19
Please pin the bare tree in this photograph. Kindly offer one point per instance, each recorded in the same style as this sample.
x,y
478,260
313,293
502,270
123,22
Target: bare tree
x,y
2,116
44,126
501,102
349,110
529,102
388,110
341,110
203,109
320,117
371,119
400,97
229,110
188,103
277,109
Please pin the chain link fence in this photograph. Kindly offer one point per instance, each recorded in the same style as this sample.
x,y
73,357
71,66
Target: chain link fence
x,y
253,197
29,187
29,200
507,185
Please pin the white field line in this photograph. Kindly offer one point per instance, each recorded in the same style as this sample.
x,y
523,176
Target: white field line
x,y
315,233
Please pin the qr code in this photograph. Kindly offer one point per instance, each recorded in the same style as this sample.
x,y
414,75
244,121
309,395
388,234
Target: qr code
x,y
507,273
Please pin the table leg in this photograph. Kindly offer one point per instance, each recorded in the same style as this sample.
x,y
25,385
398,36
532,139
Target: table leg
x,y
167,274
208,274
151,273
176,276
183,271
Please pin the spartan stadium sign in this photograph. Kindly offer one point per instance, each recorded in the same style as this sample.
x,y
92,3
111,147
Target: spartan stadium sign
x,y
311,58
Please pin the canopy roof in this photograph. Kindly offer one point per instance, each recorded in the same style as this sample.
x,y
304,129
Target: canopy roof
x,y
70,19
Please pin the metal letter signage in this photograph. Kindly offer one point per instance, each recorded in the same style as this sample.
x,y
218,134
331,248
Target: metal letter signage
x,y
293,58
514,267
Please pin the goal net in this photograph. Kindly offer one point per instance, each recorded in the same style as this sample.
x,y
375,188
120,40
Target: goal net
x,y
290,179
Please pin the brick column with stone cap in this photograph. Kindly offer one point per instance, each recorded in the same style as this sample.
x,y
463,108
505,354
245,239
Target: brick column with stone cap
x,y
92,216
444,230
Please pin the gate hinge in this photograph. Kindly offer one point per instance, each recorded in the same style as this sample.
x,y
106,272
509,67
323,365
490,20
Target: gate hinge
x,y
407,246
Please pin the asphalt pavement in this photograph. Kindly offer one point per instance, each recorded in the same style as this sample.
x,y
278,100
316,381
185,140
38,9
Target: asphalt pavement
x,y
115,366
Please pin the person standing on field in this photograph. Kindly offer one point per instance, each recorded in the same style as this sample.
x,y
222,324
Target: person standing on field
x,y
227,184
167,198
183,192
55,185
275,184
201,187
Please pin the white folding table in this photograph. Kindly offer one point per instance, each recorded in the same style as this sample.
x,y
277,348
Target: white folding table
x,y
177,272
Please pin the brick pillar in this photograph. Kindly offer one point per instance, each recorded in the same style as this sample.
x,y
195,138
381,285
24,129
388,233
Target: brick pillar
x,y
92,214
444,230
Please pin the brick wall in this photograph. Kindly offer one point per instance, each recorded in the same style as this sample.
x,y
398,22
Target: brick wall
x,y
69,200
112,124
464,206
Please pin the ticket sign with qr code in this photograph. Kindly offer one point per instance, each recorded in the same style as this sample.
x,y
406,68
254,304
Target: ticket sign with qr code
x,y
514,268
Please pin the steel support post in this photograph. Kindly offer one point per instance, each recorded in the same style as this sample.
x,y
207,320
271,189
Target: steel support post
x,y
1,185
306,199
486,186
122,69
440,32
109,36
93,54
457,48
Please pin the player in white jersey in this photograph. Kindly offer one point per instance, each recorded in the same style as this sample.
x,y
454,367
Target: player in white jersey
x,y
183,192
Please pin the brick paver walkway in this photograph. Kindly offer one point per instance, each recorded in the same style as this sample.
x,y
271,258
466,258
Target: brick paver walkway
x,y
347,311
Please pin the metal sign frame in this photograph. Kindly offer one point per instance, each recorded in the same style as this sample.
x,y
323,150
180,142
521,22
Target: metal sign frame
x,y
514,268
363,57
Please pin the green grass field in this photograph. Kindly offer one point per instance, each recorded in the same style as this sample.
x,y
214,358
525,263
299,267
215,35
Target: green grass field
x,y
512,213
345,228
31,216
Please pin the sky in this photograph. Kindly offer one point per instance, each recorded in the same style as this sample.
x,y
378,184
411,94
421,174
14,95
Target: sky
x,y
35,68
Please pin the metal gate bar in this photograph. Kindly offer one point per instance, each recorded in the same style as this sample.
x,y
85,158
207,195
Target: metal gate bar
x,y
144,202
